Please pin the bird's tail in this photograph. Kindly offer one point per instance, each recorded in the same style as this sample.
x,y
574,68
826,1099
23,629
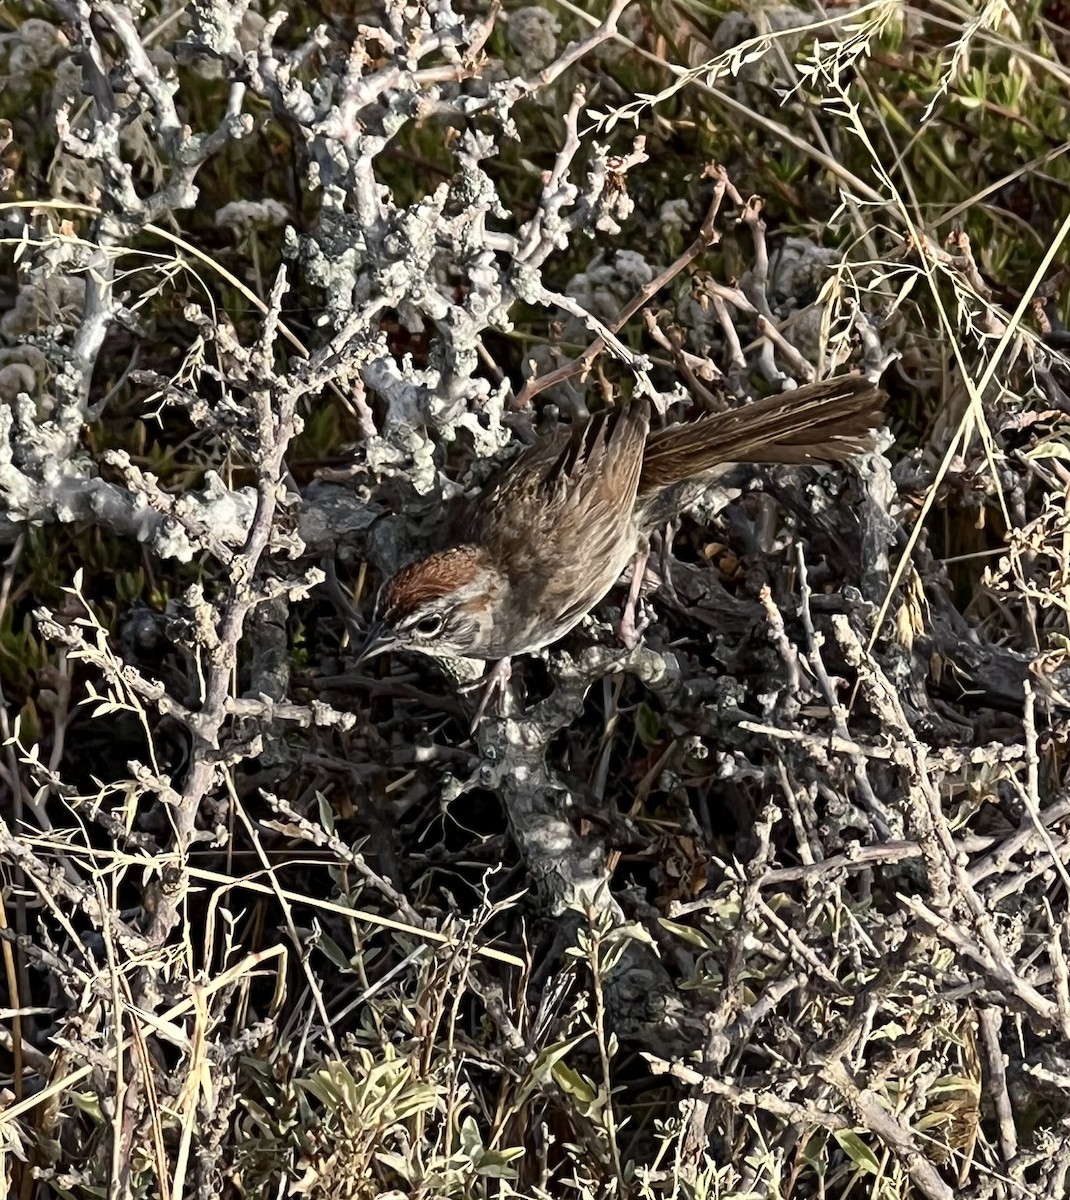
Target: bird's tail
x,y
820,422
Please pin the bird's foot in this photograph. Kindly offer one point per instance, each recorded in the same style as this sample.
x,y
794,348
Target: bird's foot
x,y
631,630
494,683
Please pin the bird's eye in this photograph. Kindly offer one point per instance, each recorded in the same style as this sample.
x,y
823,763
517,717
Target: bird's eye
x,y
428,626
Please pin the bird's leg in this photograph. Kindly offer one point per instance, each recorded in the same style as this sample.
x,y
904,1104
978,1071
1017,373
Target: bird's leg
x,y
496,680
631,630
665,556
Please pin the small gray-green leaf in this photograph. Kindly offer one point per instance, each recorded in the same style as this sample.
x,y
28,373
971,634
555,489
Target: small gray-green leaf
x,y
857,1151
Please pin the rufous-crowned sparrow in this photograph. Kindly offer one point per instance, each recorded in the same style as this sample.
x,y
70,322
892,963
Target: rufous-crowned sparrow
x,y
549,537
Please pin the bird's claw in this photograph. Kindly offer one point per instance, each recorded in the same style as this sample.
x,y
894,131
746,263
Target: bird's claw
x,y
494,682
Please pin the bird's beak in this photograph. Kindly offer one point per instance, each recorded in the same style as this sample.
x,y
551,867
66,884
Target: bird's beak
x,y
378,641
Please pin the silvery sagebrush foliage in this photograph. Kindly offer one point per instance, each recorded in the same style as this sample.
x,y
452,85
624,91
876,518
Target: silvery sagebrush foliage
x,y
128,161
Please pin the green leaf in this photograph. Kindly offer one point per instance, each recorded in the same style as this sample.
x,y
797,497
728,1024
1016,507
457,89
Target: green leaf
x,y
397,1163
647,725
857,1151
693,937
494,1164
815,1153
471,1139
326,812
545,1061
334,952
573,1084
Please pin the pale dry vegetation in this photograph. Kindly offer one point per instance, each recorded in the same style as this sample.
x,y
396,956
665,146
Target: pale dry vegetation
x,y
775,905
